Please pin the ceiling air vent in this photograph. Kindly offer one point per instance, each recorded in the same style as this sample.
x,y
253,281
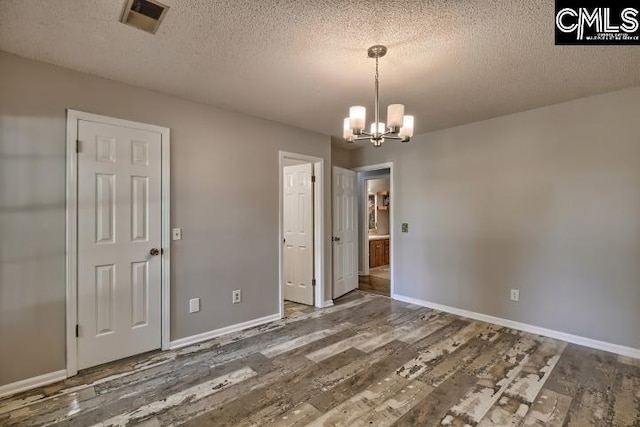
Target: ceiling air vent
x,y
144,14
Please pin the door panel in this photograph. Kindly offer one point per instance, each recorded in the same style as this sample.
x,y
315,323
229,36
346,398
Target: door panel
x,y
297,251
105,207
119,222
105,307
139,293
139,208
345,243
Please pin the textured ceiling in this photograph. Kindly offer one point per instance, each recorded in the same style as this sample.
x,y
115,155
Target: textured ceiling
x,y
304,62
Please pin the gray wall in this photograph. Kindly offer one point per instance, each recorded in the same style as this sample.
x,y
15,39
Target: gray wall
x,y
224,195
546,201
340,156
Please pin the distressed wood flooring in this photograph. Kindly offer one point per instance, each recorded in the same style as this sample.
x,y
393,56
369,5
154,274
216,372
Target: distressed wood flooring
x,y
378,284
367,361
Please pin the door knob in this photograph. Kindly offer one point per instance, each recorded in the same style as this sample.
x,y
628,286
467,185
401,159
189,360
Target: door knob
x,y
154,252
336,239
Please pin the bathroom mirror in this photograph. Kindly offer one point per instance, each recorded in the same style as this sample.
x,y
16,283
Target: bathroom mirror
x,y
372,205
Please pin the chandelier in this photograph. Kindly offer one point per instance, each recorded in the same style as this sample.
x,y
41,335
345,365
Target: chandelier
x,y
398,125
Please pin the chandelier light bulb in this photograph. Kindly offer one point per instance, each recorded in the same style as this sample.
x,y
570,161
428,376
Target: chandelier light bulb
x,y
357,117
379,129
406,131
395,112
347,133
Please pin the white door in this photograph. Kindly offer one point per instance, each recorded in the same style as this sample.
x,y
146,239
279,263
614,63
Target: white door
x,y
297,256
345,239
119,238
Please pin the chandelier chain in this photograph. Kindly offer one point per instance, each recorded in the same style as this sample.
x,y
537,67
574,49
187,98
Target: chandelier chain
x,y
376,68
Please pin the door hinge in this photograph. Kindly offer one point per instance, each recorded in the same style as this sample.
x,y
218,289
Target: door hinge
x,y
78,146
313,282
313,178
77,331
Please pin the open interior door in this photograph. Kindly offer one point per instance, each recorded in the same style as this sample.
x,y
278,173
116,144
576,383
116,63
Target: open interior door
x,y
297,253
345,241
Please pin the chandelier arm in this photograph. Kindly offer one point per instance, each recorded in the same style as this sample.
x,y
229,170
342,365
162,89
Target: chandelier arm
x,y
399,138
364,135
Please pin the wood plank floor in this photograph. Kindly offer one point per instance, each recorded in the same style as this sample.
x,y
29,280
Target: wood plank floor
x,y
367,360
377,284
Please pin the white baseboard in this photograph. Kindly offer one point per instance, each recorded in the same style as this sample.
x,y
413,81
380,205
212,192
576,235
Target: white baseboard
x,y
328,303
29,383
195,339
575,339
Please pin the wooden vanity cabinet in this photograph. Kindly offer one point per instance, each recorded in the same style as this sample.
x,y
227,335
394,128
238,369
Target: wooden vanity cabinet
x,y
386,252
378,252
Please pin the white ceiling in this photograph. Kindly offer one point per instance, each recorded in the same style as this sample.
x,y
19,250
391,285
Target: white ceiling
x,y
304,62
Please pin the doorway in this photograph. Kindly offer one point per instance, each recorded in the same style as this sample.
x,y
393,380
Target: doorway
x,y
117,239
375,230
301,230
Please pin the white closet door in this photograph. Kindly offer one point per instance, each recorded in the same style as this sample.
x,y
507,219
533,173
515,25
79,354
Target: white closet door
x,y
119,240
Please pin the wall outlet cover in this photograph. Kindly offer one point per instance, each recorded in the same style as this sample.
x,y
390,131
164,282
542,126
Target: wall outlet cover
x,y
515,295
405,227
194,305
236,296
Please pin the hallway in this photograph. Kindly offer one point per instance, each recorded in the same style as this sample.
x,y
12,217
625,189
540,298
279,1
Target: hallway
x,y
378,281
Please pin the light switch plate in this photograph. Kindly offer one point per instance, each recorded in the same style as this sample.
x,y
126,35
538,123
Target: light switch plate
x,y
194,305
177,234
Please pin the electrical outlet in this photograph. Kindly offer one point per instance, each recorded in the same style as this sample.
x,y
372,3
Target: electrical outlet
x,y
515,295
194,305
237,296
177,234
405,227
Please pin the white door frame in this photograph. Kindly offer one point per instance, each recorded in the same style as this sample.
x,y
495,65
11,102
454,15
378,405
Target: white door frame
x,y
365,218
72,228
318,226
